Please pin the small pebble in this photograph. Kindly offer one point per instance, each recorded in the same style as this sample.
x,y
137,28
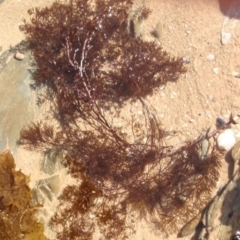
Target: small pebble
x,y
225,37
236,74
220,122
19,56
216,70
210,57
186,59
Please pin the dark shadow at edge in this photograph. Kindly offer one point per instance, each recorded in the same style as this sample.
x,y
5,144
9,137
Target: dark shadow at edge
x,y
224,5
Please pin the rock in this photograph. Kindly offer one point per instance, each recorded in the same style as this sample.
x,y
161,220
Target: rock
x,y
225,37
236,204
221,218
226,140
204,148
136,22
224,232
51,164
203,235
37,197
16,98
236,74
135,27
189,228
157,31
230,21
211,212
19,56
47,192
186,59
53,183
220,122
236,152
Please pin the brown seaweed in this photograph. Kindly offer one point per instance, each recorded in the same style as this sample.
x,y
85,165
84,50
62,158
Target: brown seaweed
x,y
86,58
17,213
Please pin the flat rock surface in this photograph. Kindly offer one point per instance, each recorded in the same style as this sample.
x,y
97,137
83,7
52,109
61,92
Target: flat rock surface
x,y
17,105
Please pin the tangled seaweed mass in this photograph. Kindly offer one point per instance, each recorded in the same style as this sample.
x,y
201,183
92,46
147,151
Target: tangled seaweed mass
x,y
85,61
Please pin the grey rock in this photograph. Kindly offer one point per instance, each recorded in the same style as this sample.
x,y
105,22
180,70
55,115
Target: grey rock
x,y
211,212
203,235
50,164
190,227
158,30
37,197
225,232
135,27
53,183
222,217
47,192
220,122
204,148
236,204
235,152
16,98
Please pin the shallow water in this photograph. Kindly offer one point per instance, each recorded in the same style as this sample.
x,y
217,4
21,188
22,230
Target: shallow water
x,y
17,104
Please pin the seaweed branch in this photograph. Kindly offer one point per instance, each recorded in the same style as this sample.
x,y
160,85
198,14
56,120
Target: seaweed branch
x,y
86,60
